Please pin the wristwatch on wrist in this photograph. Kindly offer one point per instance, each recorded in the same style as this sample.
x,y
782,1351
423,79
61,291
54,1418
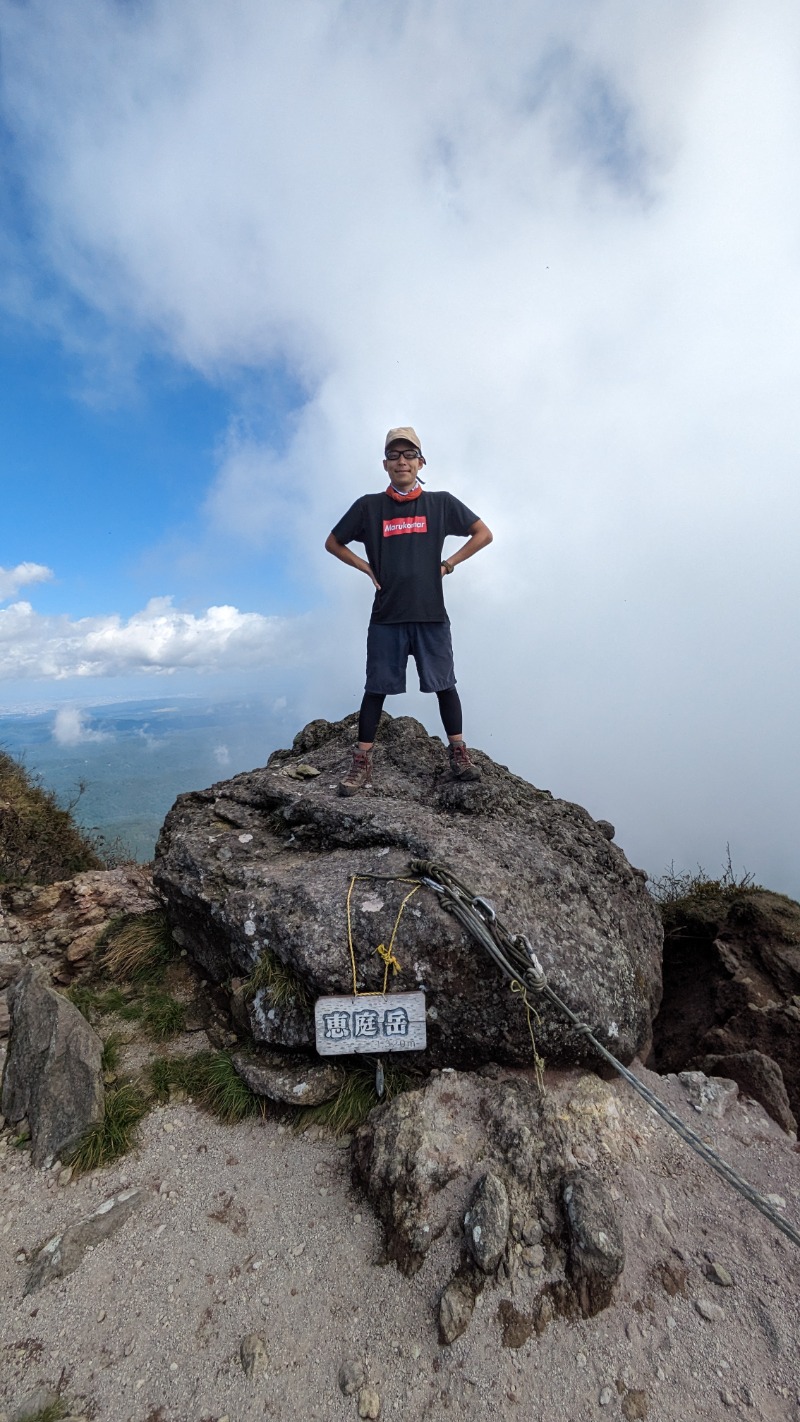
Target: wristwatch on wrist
x,y
448,567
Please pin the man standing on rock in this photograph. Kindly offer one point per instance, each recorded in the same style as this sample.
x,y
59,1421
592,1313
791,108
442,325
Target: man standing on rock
x,y
403,532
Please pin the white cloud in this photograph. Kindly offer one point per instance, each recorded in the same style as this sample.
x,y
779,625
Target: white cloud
x,y
159,640
70,728
12,579
222,755
561,240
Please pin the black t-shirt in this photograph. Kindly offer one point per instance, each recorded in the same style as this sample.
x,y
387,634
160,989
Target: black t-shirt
x,y
403,542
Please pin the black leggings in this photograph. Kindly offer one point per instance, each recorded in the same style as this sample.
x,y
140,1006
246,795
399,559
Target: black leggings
x,y
372,705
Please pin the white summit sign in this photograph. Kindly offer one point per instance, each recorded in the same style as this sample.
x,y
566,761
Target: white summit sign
x,y
370,1022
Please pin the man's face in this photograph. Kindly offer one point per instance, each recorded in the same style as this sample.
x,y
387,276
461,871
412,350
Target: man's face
x,y
403,471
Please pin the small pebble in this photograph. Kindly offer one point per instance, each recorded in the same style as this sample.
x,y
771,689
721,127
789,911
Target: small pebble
x,y
534,1256
357,1218
253,1355
581,1360
173,1367
352,1376
369,1403
531,1231
727,1398
711,1312
101,1316
168,1126
606,1394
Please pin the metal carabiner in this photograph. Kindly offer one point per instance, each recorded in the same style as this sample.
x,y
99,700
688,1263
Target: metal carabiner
x,y
433,886
485,909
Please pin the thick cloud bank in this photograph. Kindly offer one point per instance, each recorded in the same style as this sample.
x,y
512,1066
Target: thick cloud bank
x,y
159,640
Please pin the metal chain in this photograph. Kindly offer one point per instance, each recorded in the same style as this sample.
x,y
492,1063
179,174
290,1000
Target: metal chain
x,y
516,959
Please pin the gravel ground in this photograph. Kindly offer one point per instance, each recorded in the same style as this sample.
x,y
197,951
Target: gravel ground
x,y
251,1229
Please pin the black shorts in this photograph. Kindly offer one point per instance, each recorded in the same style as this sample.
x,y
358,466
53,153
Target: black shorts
x,y
389,646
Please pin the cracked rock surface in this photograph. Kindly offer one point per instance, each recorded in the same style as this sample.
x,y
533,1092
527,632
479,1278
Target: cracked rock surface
x,y
259,867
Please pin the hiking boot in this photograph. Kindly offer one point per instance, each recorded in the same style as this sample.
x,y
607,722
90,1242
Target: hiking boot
x,y
359,776
460,763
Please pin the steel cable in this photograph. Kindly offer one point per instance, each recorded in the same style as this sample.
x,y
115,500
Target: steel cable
x,y
515,958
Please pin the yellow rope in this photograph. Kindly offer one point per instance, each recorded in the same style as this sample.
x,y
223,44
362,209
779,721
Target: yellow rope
x,y
521,991
350,937
386,954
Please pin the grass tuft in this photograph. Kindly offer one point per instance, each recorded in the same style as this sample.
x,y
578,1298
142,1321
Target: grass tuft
x,y
52,1412
163,1016
227,1095
672,889
284,987
40,843
211,1079
138,947
112,1136
355,1099
111,1048
94,1003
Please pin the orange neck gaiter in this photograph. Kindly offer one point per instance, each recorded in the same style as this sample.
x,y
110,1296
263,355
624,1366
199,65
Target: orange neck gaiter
x,y
404,498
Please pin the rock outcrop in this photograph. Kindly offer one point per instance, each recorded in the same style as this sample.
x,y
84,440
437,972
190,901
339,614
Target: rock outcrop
x,y
59,925
732,994
502,1159
53,1077
255,873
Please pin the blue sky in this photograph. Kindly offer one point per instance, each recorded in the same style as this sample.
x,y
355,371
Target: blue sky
x,y
237,243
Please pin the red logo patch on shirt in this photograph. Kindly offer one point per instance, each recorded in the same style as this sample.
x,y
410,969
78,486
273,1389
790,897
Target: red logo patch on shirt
x,y
409,524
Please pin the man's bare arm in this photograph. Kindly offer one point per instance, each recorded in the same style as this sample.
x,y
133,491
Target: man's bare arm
x,y
479,537
346,555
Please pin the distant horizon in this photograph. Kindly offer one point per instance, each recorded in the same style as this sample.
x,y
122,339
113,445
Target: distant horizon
x,y
198,755
134,757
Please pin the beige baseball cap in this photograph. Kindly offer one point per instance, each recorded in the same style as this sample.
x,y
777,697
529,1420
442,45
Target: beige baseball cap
x,y
403,432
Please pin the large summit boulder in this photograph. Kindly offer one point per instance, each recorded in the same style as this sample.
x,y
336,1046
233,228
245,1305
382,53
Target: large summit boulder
x,y
255,874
